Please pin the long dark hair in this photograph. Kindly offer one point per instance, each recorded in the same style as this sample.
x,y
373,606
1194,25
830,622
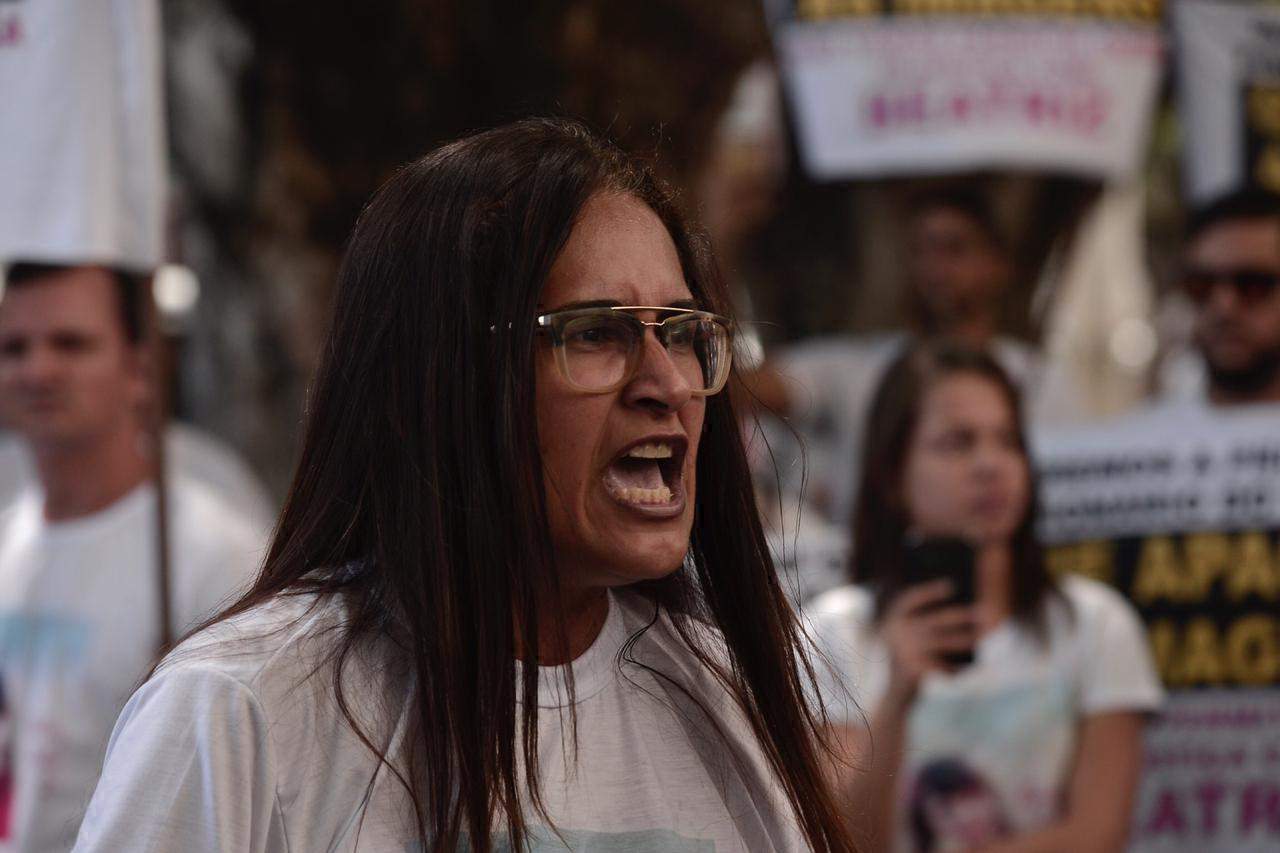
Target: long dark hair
x,y
419,494
880,521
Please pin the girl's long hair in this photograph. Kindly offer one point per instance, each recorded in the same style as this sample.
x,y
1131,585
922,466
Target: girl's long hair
x,y
881,521
419,498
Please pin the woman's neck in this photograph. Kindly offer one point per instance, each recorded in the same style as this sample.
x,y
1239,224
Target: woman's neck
x,y
994,568
582,614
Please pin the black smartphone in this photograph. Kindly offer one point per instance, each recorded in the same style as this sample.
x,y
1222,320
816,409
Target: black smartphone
x,y
931,558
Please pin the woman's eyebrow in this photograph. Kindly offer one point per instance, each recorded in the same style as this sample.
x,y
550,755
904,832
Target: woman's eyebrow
x,y
585,303
613,303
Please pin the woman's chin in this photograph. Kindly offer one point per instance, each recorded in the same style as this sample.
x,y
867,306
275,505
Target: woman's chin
x,y
647,560
991,535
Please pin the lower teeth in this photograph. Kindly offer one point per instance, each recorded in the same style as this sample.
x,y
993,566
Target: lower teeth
x,y
660,495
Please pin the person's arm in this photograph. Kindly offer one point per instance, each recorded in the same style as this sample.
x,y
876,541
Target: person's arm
x,y
872,758
1119,688
1100,797
917,633
190,767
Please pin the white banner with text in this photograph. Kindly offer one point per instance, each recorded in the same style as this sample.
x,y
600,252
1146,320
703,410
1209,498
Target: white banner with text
x,y
912,93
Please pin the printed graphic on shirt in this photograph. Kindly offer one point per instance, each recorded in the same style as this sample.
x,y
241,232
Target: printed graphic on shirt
x,y
36,651
39,639
953,807
982,767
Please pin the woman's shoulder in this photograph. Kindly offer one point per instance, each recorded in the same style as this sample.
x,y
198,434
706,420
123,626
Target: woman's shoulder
x,y
1091,601
244,715
260,645
1109,649
842,609
271,670
278,659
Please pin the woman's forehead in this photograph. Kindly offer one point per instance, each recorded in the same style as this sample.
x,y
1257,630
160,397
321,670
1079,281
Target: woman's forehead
x,y
620,252
967,396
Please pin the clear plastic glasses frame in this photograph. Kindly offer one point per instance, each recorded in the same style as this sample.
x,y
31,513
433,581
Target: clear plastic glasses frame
x,y
598,350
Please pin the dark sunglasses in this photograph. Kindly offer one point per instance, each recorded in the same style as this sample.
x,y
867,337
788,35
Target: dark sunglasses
x,y
1250,285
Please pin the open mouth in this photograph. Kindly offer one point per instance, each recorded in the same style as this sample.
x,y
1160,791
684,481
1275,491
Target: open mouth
x,y
648,474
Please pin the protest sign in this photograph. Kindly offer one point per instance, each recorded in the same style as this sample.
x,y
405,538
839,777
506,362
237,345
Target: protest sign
x,y
1229,94
1179,509
82,163
909,86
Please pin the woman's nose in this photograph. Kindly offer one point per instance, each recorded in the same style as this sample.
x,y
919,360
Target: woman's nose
x,y
658,383
989,457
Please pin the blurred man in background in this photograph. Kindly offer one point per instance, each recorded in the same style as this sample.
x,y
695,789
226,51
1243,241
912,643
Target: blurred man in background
x,y
958,272
80,603
1231,274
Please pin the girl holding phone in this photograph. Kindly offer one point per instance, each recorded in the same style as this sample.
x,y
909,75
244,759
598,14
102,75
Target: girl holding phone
x,y
1036,745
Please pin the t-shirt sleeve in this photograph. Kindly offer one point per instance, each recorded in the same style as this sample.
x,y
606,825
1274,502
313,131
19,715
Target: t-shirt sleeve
x,y
826,691
190,767
843,656
1117,671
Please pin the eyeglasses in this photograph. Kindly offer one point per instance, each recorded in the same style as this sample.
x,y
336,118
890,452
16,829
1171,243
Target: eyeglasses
x,y
1251,285
599,349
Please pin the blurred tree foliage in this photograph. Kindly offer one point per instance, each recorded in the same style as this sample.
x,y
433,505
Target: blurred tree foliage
x,y
287,115
352,90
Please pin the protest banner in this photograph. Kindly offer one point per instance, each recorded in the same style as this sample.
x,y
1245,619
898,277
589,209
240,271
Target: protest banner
x,y
1179,509
919,86
1228,57
83,168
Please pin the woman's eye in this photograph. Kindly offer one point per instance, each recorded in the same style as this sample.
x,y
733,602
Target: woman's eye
x,y
955,440
602,335
683,335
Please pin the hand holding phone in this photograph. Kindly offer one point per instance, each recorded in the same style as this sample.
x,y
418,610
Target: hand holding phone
x,y
937,558
928,620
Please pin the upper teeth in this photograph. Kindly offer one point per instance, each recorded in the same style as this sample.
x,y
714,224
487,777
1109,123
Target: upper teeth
x,y
651,451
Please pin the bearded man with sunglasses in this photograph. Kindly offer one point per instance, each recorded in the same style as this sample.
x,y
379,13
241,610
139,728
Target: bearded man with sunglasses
x,y
1231,274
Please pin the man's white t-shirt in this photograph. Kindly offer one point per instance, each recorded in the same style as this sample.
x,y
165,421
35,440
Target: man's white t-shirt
x,y
237,746
79,628
190,452
1002,732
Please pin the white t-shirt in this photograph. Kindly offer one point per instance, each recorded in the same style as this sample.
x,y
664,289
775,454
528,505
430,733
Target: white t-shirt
x,y
993,744
79,629
189,452
238,746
